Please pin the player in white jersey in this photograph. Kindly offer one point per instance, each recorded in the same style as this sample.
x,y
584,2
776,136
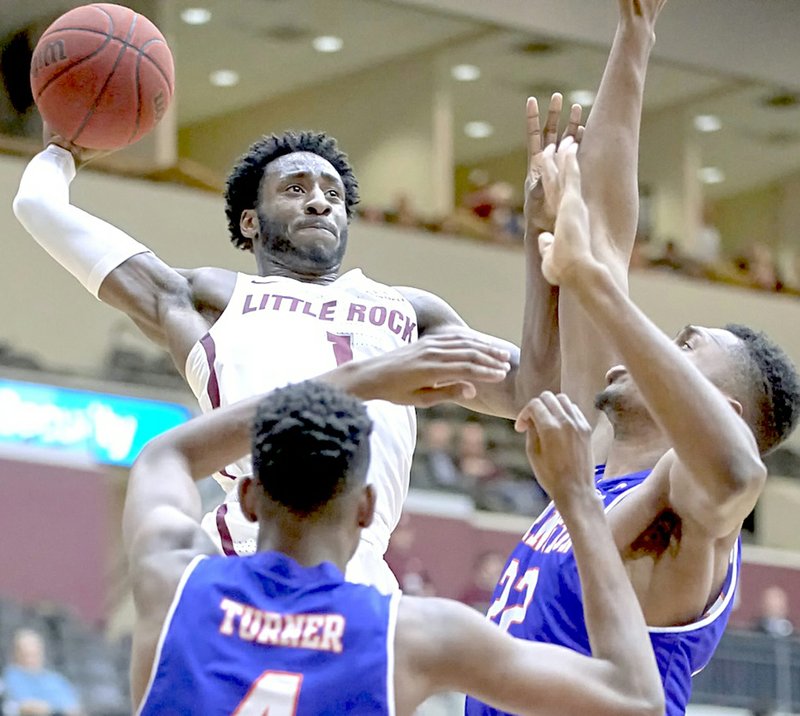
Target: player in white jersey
x,y
277,331
289,202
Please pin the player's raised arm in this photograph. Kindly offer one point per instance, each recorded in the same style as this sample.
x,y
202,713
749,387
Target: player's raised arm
x,y
718,464
609,157
609,153
536,367
436,639
540,354
109,263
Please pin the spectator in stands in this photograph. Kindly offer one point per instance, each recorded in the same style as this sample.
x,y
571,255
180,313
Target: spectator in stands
x,y
479,470
416,581
434,465
671,257
764,268
774,617
708,241
473,455
485,575
758,268
791,270
506,220
492,486
489,212
401,546
30,688
402,212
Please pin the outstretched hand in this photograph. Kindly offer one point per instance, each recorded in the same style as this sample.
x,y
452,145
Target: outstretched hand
x,y
439,368
569,246
641,13
540,212
558,444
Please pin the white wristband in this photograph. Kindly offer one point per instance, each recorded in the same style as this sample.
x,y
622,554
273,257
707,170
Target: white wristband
x,y
88,247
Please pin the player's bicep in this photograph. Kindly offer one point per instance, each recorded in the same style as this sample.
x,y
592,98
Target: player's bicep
x,y
159,549
161,496
141,286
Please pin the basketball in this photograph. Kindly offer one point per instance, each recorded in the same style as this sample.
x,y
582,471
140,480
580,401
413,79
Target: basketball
x,y
102,76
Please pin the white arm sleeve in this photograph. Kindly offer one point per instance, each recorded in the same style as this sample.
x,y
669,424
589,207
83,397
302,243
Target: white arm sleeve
x,y
88,247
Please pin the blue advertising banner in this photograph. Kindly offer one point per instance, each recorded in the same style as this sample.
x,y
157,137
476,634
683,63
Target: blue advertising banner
x,y
106,428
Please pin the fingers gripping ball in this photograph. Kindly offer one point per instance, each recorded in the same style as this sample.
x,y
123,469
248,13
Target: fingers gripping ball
x,y
102,76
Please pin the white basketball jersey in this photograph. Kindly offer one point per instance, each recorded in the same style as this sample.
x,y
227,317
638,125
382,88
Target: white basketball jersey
x,y
276,331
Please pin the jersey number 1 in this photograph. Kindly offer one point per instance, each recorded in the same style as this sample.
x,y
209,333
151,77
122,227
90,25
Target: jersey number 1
x,y
514,614
274,693
342,347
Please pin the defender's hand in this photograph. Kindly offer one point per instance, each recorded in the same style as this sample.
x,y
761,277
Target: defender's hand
x,y
569,247
559,445
540,211
640,14
435,369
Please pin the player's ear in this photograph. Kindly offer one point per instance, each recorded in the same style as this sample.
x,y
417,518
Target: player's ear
x,y
249,494
249,224
366,506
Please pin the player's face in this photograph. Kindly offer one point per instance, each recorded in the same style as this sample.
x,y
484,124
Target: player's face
x,y
711,350
302,214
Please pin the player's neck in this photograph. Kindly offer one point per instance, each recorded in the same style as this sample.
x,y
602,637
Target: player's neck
x,y
307,544
629,453
268,267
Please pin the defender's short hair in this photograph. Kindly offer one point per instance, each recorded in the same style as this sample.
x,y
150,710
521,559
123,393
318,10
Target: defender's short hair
x,y
310,444
776,386
244,181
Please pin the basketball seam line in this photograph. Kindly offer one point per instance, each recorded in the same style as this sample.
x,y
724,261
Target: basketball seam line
x,y
74,64
118,39
105,84
138,99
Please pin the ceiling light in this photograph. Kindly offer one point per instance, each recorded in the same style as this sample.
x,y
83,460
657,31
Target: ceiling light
x,y
465,73
478,130
327,43
707,123
224,78
711,175
196,15
583,97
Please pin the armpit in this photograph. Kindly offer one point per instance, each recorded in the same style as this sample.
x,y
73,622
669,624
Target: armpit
x,y
662,535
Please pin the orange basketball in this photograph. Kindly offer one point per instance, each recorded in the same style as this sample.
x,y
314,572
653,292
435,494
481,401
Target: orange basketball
x,y
102,76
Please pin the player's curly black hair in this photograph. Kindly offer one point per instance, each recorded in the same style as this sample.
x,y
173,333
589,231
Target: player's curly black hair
x,y
776,387
244,181
310,443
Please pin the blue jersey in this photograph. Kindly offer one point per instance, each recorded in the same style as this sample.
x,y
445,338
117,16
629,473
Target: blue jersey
x,y
539,598
262,634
